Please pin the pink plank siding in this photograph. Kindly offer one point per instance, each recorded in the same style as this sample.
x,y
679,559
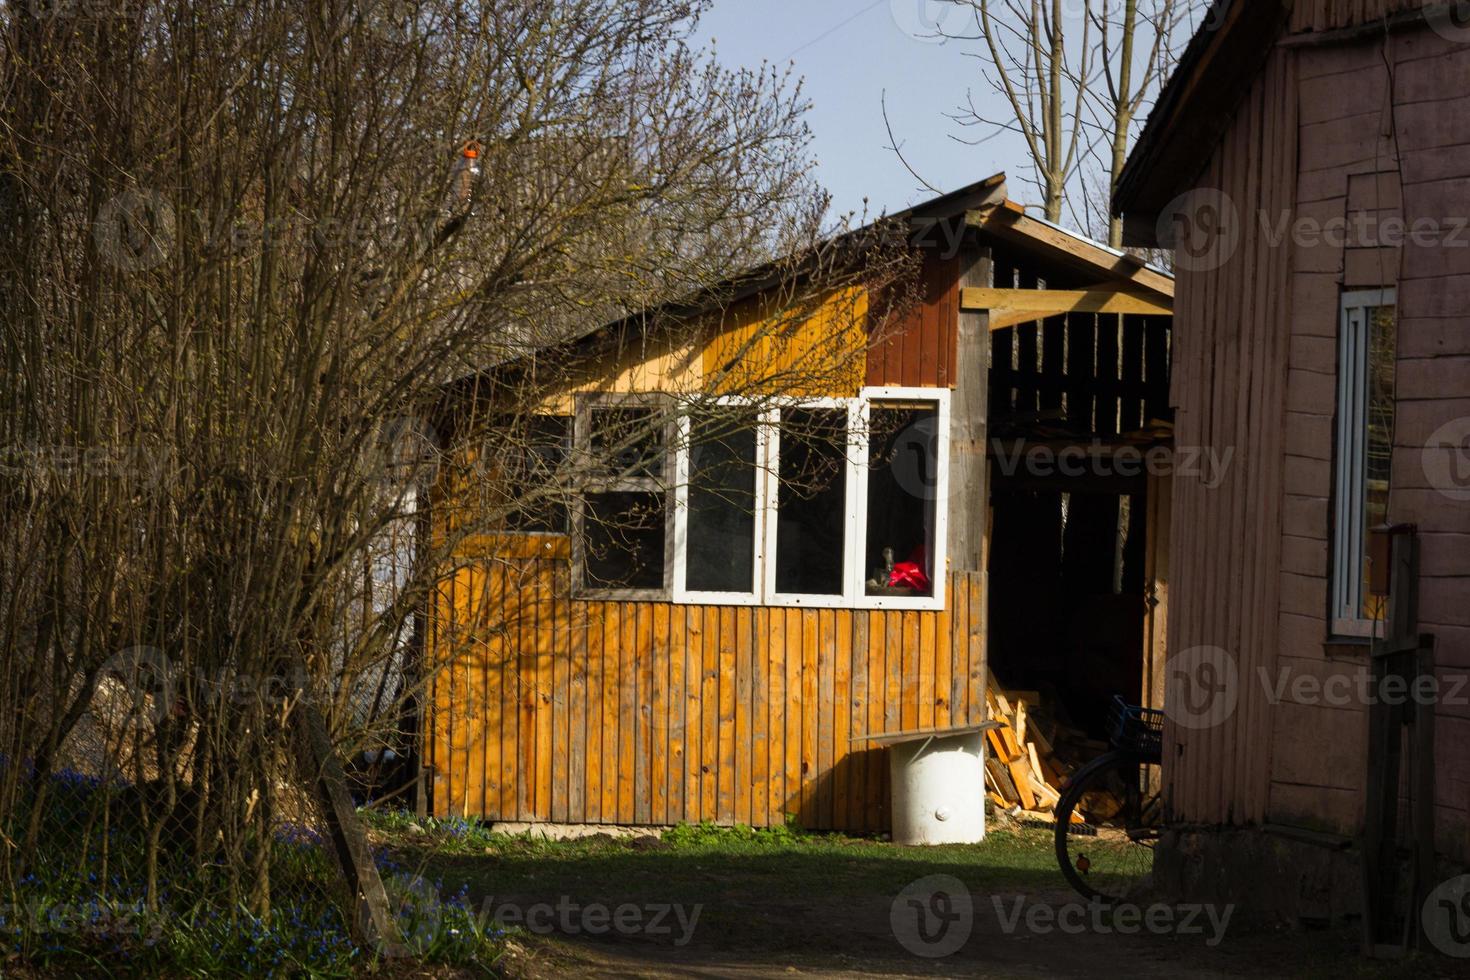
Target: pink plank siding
x,y
1325,133
1323,15
1229,389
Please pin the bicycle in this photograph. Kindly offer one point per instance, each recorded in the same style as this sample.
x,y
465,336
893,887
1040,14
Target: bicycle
x,y
1108,858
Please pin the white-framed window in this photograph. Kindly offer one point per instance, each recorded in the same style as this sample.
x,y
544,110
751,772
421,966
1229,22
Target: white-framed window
x,y
812,504
831,502
720,463
1366,353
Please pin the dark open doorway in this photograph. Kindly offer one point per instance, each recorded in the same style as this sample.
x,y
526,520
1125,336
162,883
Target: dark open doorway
x,y
1080,447
1067,598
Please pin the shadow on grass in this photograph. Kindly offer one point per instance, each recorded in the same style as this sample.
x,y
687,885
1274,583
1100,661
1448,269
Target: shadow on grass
x,y
812,896
765,903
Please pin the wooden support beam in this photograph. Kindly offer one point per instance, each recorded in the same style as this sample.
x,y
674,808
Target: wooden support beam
x,y
1002,319
1011,306
1394,894
968,414
1009,222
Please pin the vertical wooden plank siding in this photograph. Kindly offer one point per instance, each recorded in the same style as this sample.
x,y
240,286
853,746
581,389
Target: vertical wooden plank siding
x,y
759,721
807,758
611,684
693,717
628,709
1324,15
677,762
658,763
1230,362
919,350
526,691
549,708
839,698
546,688
577,699
792,719
1326,131
775,641
878,714
744,644
709,711
592,768
725,761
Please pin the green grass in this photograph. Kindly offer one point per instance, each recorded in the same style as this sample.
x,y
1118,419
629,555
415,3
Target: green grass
x,y
78,907
753,885
780,896
746,861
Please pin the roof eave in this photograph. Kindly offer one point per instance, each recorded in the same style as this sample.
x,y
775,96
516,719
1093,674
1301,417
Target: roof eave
x,y
1194,110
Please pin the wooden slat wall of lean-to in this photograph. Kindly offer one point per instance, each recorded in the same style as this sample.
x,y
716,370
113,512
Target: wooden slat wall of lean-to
x,y
547,708
1066,367
1228,386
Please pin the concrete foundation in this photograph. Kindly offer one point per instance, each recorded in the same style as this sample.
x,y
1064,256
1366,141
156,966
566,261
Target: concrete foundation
x,y
1300,876
573,831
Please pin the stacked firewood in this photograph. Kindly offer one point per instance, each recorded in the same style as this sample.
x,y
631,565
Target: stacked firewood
x,y
1024,770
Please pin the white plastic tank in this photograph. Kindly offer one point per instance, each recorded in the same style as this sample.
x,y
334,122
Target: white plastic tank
x,y
938,786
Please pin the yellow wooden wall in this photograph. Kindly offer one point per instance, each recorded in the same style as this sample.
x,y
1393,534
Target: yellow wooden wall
x,y
776,345
546,708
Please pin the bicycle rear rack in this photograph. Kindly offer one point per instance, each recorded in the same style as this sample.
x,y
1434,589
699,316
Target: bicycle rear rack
x,y
1133,728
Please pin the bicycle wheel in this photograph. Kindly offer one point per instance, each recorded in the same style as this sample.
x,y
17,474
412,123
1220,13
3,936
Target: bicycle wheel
x,y
1109,856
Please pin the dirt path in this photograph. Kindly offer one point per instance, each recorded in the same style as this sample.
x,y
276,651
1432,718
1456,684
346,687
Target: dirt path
x,y
768,905
858,940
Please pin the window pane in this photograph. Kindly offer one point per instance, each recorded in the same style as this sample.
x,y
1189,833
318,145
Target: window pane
x,y
720,546
811,501
903,472
533,463
628,442
623,541
1378,438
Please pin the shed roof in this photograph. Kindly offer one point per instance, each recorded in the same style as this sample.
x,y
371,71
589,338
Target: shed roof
x,y
982,205
989,211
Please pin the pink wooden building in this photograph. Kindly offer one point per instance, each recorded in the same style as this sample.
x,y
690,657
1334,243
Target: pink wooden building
x,y
1310,163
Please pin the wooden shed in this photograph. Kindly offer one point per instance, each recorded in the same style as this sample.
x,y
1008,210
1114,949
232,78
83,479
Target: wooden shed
x,y
729,662
1309,163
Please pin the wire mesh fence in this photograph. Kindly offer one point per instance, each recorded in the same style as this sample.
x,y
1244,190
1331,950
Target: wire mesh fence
x,y
160,807
172,812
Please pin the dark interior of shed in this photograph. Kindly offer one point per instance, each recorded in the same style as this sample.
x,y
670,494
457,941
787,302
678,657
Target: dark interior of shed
x,y
1079,417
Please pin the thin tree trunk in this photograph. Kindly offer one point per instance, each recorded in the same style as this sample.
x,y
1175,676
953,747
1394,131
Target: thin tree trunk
x,y
1122,117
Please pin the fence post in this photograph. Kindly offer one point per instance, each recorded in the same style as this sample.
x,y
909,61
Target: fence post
x,y
372,920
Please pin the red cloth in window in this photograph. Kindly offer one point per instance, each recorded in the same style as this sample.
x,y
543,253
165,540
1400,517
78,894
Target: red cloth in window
x,y
910,573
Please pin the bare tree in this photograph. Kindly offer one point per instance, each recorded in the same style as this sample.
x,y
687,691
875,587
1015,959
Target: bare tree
x,y
1042,67
247,251
1136,46
1077,77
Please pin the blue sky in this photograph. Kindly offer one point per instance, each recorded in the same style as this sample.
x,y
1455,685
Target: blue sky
x,y
849,52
